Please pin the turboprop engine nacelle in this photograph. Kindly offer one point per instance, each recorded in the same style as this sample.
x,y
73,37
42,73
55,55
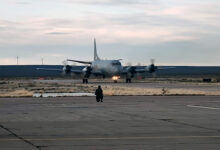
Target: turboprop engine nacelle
x,y
67,69
151,68
87,72
131,72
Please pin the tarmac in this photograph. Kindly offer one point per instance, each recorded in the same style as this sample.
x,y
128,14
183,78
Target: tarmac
x,y
119,123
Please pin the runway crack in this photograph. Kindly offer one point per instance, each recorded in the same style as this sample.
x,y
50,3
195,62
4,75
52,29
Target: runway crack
x,y
19,137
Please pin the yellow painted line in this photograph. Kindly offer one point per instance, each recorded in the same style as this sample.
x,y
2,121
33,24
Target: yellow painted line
x,y
196,106
111,138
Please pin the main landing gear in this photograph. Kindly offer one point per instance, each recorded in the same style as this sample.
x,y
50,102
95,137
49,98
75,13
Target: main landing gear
x,y
128,80
85,80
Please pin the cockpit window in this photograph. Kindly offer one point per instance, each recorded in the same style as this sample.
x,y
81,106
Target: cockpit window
x,y
116,63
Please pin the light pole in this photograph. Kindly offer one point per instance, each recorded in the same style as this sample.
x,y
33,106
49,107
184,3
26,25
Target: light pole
x,y
42,61
17,60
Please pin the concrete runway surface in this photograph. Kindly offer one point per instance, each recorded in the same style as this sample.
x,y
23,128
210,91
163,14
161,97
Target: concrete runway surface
x,y
119,123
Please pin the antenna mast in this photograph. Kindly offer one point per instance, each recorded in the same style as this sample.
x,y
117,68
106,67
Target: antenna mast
x,y
17,60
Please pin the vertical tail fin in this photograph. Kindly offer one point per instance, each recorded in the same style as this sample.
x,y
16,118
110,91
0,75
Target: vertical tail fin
x,y
96,57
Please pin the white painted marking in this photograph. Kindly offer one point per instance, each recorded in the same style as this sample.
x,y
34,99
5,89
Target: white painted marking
x,y
196,106
61,94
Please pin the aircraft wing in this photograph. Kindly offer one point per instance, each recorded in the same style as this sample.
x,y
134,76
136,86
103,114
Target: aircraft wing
x,y
47,69
124,72
140,70
97,73
76,71
78,61
157,69
134,69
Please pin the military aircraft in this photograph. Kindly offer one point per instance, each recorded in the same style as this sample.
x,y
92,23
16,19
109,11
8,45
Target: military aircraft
x,y
105,69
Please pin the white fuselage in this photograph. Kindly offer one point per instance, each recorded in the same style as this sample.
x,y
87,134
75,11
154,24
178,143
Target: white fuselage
x,y
108,68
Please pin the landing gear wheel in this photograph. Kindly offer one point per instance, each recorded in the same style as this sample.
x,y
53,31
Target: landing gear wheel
x,y
85,80
128,80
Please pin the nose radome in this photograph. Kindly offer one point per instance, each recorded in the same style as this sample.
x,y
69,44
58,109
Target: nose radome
x,y
119,68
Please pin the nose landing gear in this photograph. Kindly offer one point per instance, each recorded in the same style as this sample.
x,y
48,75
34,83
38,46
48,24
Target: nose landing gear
x,y
115,78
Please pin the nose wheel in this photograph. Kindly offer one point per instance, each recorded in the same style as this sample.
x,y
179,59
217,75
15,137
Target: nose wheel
x,y
115,78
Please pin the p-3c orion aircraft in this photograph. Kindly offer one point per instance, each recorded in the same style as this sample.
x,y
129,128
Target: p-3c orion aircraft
x,y
105,69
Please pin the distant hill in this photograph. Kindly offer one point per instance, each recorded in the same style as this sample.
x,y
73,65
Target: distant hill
x,y
31,71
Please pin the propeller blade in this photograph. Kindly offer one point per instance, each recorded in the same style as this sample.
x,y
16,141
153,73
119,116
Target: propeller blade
x,y
152,61
64,63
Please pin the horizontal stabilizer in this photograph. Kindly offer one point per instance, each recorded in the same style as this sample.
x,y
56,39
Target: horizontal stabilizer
x,y
76,71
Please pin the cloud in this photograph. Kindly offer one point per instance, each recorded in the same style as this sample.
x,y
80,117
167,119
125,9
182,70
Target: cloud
x,y
17,2
202,14
125,24
109,2
58,33
22,3
34,59
149,24
40,31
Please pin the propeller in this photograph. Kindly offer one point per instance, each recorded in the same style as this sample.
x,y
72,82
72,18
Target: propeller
x,y
152,61
87,71
66,68
151,68
64,63
131,71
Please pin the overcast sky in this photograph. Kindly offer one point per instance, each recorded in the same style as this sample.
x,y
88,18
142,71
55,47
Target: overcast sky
x,y
174,32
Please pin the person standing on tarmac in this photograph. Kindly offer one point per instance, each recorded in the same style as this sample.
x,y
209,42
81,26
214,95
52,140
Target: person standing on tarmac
x,y
99,94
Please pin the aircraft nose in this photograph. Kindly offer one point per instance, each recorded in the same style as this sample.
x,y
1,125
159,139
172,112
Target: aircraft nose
x,y
119,69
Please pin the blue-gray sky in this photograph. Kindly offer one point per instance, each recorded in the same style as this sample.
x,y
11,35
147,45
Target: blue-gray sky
x,y
174,32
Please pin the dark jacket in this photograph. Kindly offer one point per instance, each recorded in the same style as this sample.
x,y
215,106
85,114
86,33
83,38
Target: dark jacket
x,y
99,93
